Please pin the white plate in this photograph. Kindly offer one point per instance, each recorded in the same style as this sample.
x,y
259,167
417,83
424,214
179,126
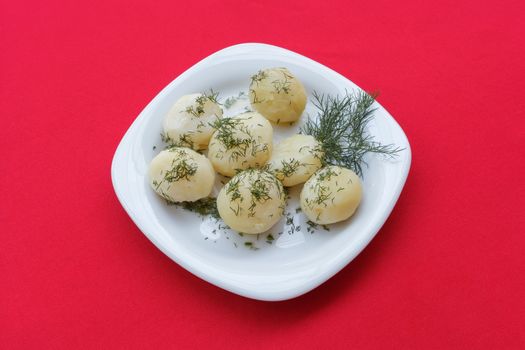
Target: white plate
x,y
294,263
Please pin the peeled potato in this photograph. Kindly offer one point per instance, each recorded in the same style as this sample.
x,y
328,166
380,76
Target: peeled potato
x,y
188,123
180,174
278,95
331,195
252,201
295,159
241,142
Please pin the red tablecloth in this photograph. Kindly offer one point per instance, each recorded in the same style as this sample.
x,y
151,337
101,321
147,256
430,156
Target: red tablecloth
x,y
447,269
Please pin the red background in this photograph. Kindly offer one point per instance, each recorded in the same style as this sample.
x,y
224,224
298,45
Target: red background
x,y
446,270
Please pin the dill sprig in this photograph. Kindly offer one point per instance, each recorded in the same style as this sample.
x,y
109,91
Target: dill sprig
x,y
341,130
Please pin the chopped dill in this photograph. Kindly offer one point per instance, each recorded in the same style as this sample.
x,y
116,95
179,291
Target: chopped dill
x,y
251,246
290,223
184,140
232,189
197,109
166,138
258,183
230,101
180,169
205,206
260,193
234,136
237,139
257,78
288,168
320,188
283,85
211,95
312,227
255,98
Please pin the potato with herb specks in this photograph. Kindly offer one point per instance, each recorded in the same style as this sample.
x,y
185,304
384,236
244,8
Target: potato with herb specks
x,y
295,159
278,95
252,201
240,142
188,122
331,195
180,174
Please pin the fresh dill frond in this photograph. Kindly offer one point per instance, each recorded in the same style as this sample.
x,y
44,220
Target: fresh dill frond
x,y
341,129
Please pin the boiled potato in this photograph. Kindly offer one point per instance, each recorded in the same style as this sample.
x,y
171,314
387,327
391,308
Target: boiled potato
x,y
189,121
331,195
295,159
180,174
252,201
241,142
277,95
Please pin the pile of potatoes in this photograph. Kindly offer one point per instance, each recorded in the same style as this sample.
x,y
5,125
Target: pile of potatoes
x,y
241,147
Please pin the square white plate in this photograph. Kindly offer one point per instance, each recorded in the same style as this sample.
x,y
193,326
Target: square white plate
x,y
294,263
